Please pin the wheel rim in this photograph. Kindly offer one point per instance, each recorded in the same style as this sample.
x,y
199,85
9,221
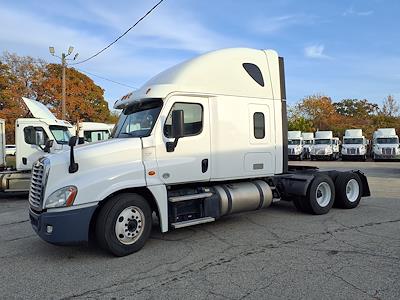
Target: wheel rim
x,y
129,225
323,194
352,190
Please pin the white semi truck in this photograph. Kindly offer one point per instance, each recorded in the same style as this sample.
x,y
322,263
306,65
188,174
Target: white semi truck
x,y
354,145
325,146
202,140
33,137
385,144
92,131
295,145
308,141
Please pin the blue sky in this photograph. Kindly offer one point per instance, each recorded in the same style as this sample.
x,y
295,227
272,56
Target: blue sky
x,y
343,49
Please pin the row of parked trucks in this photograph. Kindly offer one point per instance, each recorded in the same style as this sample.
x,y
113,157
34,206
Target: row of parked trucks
x,y
36,136
354,145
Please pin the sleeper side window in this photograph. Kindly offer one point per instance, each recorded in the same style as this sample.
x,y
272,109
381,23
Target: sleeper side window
x,y
193,119
259,125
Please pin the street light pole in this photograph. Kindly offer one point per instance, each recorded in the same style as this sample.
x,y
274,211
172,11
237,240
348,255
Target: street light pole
x,y
64,64
64,59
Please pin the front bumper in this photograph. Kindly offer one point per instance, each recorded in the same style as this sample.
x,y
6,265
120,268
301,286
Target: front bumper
x,y
386,156
68,227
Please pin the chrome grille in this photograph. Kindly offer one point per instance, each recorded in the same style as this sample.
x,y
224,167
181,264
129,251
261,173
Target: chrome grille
x,y
36,189
388,151
320,152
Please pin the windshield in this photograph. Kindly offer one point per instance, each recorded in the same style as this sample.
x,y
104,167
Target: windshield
x,y
322,142
138,119
353,141
293,142
393,140
61,134
96,135
307,142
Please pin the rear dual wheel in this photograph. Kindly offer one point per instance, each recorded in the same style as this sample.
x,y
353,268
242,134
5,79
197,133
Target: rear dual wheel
x,y
348,190
320,196
323,193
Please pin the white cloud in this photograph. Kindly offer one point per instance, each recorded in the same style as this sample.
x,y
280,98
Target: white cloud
x,y
270,25
142,53
315,51
352,12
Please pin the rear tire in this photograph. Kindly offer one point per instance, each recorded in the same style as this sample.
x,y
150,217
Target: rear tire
x,y
124,224
320,195
348,189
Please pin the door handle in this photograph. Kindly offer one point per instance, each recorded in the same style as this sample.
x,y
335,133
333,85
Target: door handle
x,y
204,165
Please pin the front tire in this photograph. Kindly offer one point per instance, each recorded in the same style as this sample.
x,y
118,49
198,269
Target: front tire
x,y
124,224
348,190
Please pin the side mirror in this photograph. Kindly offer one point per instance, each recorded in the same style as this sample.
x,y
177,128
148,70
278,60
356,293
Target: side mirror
x,y
72,141
39,138
81,140
177,130
73,166
48,146
177,124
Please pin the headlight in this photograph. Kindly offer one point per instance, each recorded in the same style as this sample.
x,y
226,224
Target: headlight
x,y
62,197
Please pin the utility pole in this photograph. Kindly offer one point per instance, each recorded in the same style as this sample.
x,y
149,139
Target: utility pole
x,y
64,60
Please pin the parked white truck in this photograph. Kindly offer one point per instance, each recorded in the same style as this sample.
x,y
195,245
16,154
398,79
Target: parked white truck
x,y
385,144
202,140
295,145
92,131
325,146
33,137
354,145
308,141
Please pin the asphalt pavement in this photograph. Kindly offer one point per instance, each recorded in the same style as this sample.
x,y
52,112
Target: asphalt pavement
x,y
268,254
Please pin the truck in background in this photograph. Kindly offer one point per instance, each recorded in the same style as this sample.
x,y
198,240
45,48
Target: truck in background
x,y
385,144
34,137
354,145
295,145
325,146
2,143
199,141
92,131
308,141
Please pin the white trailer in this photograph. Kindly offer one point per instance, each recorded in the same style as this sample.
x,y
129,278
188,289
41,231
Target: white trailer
x,y
2,143
90,132
295,145
308,141
354,145
34,137
325,146
202,140
385,144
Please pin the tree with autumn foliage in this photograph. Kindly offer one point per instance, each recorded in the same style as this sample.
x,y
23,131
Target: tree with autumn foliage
x,y
35,79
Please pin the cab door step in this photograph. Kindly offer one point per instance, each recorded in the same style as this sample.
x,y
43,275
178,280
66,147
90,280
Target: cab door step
x,y
189,197
192,222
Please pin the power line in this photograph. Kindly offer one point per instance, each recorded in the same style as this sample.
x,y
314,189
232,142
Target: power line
x,y
112,43
110,80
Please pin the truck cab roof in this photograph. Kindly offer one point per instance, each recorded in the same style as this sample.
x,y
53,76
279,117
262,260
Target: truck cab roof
x,y
233,71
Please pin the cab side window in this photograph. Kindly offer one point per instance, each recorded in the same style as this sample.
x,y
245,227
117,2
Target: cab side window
x,y
30,134
193,119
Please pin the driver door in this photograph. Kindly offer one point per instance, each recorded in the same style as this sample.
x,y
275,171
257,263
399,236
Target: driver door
x,y
190,160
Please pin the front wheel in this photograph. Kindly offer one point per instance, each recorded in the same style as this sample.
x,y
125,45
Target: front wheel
x,y
124,224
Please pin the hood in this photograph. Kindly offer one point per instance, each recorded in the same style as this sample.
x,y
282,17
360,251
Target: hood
x,y
38,110
101,166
